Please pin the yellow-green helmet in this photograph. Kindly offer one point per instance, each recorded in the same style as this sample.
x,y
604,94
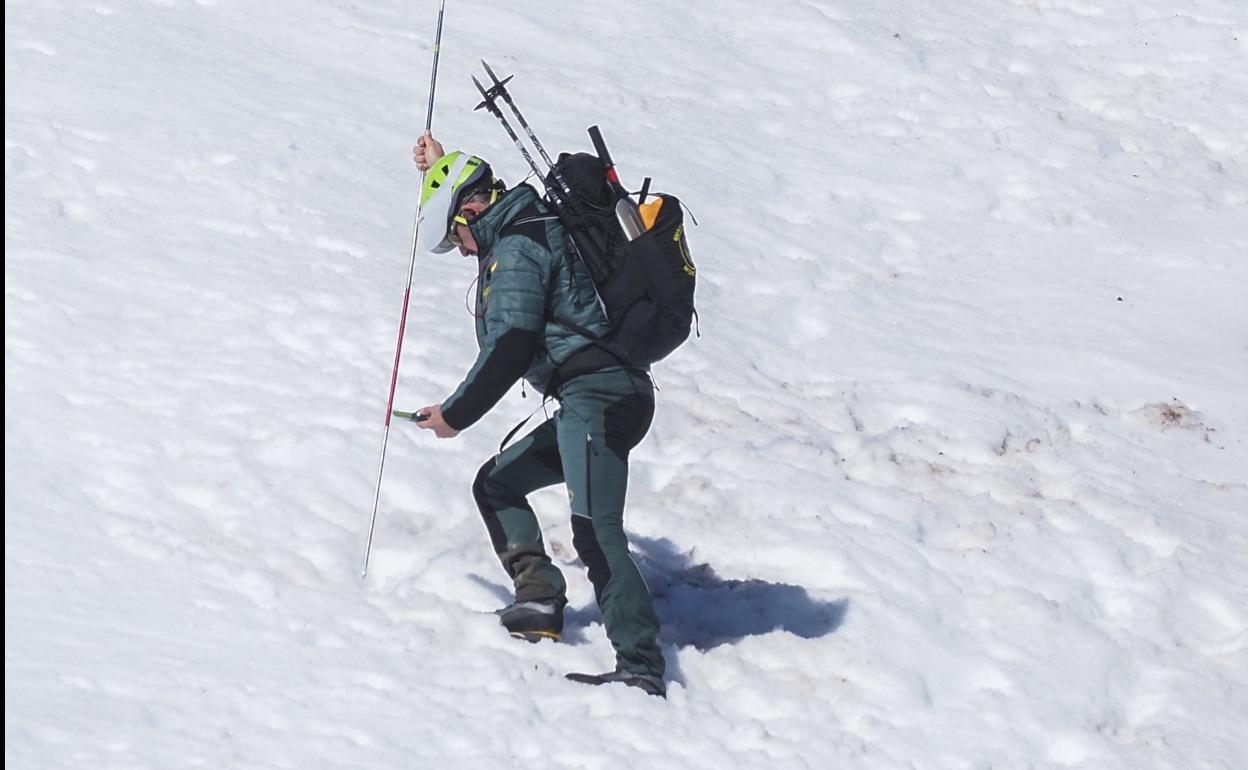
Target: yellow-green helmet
x,y
447,182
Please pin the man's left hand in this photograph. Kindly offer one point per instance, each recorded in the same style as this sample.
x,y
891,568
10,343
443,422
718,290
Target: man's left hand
x,y
433,421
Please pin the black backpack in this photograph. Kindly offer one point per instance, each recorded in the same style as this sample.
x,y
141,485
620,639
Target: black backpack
x,y
637,253
646,284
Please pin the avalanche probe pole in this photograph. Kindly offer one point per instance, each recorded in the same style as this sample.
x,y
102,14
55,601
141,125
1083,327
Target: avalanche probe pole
x,y
407,293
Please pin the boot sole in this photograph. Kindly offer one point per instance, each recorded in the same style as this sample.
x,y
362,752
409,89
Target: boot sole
x,y
598,679
536,636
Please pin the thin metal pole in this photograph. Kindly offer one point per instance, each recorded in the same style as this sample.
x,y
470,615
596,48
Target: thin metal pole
x,y
502,89
492,106
407,294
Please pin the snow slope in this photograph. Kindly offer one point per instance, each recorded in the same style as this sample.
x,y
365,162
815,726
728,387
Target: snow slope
x,y
954,478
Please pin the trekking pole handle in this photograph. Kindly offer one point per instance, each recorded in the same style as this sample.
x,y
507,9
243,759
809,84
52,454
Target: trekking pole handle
x,y
604,155
600,146
625,210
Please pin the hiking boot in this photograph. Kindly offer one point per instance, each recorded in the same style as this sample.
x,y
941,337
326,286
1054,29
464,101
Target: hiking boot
x,y
533,620
647,682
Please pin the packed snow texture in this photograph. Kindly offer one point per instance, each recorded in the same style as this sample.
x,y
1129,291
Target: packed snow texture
x,y
955,476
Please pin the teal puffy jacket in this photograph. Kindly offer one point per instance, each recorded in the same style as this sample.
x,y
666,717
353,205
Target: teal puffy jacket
x,y
532,291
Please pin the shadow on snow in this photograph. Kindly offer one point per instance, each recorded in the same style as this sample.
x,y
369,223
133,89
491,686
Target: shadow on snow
x,y
699,608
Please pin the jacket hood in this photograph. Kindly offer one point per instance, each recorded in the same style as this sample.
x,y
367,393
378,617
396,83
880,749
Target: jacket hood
x,y
488,227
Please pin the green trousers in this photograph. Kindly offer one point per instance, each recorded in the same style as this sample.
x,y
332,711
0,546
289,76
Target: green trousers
x,y
585,445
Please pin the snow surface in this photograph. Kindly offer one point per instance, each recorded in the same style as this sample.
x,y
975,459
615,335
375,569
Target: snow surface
x,y
956,476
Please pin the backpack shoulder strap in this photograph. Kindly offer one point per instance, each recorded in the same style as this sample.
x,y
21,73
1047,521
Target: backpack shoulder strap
x,y
531,223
